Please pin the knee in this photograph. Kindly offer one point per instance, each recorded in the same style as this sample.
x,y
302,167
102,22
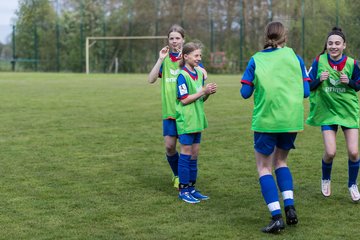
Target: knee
x,y
330,155
354,155
170,149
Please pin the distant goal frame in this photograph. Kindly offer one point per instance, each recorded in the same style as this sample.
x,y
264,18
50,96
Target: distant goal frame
x,y
90,41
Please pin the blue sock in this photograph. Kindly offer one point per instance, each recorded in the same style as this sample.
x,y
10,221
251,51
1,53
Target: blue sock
x,y
184,169
174,162
326,170
270,194
353,172
285,184
193,174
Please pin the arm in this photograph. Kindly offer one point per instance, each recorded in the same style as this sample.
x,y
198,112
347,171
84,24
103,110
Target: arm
x,y
202,69
247,87
154,73
305,77
246,90
205,92
306,89
315,82
186,98
354,82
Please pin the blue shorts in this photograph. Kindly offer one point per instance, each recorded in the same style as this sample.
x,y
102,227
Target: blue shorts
x,y
265,142
190,139
332,127
169,128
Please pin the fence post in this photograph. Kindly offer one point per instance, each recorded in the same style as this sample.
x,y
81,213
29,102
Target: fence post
x,y
13,61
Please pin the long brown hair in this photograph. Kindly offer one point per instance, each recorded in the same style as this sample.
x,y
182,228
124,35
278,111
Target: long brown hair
x,y
275,35
334,31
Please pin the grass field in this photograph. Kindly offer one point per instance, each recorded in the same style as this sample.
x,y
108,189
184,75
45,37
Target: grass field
x,y
82,157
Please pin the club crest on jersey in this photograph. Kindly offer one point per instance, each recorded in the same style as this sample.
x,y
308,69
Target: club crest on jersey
x,y
334,82
174,72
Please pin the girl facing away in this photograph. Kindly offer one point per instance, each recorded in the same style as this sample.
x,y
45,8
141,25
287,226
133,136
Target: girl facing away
x,y
191,119
279,81
333,103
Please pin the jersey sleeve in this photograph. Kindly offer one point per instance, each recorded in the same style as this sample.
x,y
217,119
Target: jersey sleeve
x,y
315,82
182,88
160,71
247,79
305,75
249,74
354,82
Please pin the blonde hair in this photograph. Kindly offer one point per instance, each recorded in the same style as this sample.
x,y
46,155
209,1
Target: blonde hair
x,y
275,35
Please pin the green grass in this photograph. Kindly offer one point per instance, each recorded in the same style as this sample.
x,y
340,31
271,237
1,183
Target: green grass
x,y
82,157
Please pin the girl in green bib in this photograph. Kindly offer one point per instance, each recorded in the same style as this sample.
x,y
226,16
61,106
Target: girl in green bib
x,y
167,69
191,120
334,102
278,79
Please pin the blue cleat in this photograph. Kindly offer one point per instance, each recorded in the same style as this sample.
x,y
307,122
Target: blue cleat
x,y
196,194
187,197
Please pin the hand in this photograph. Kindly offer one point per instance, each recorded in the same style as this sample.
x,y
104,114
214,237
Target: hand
x,y
210,88
324,75
344,78
163,52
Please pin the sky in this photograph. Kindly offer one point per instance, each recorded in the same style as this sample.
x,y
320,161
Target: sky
x,y
7,12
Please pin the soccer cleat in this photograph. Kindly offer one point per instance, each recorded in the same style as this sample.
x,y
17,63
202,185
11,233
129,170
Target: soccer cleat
x,y
275,226
326,187
176,182
196,194
354,193
291,218
187,197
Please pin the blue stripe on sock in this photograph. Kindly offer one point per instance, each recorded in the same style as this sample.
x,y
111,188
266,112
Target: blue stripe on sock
x,y
326,170
285,183
174,163
269,191
184,168
353,170
193,170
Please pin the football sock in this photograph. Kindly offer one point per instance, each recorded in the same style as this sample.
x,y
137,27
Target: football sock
x,y
326,170
353,172
192,185
285,184
174,162
270,194
184,169
193,173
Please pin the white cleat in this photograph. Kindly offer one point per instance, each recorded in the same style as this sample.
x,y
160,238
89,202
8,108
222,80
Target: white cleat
x,y
326,187
354,193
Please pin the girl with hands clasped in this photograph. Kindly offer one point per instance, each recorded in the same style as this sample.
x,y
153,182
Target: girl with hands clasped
x,y
167,69
191,119
333,103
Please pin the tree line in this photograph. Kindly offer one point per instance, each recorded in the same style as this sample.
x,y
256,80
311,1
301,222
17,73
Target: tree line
x,y
50,35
